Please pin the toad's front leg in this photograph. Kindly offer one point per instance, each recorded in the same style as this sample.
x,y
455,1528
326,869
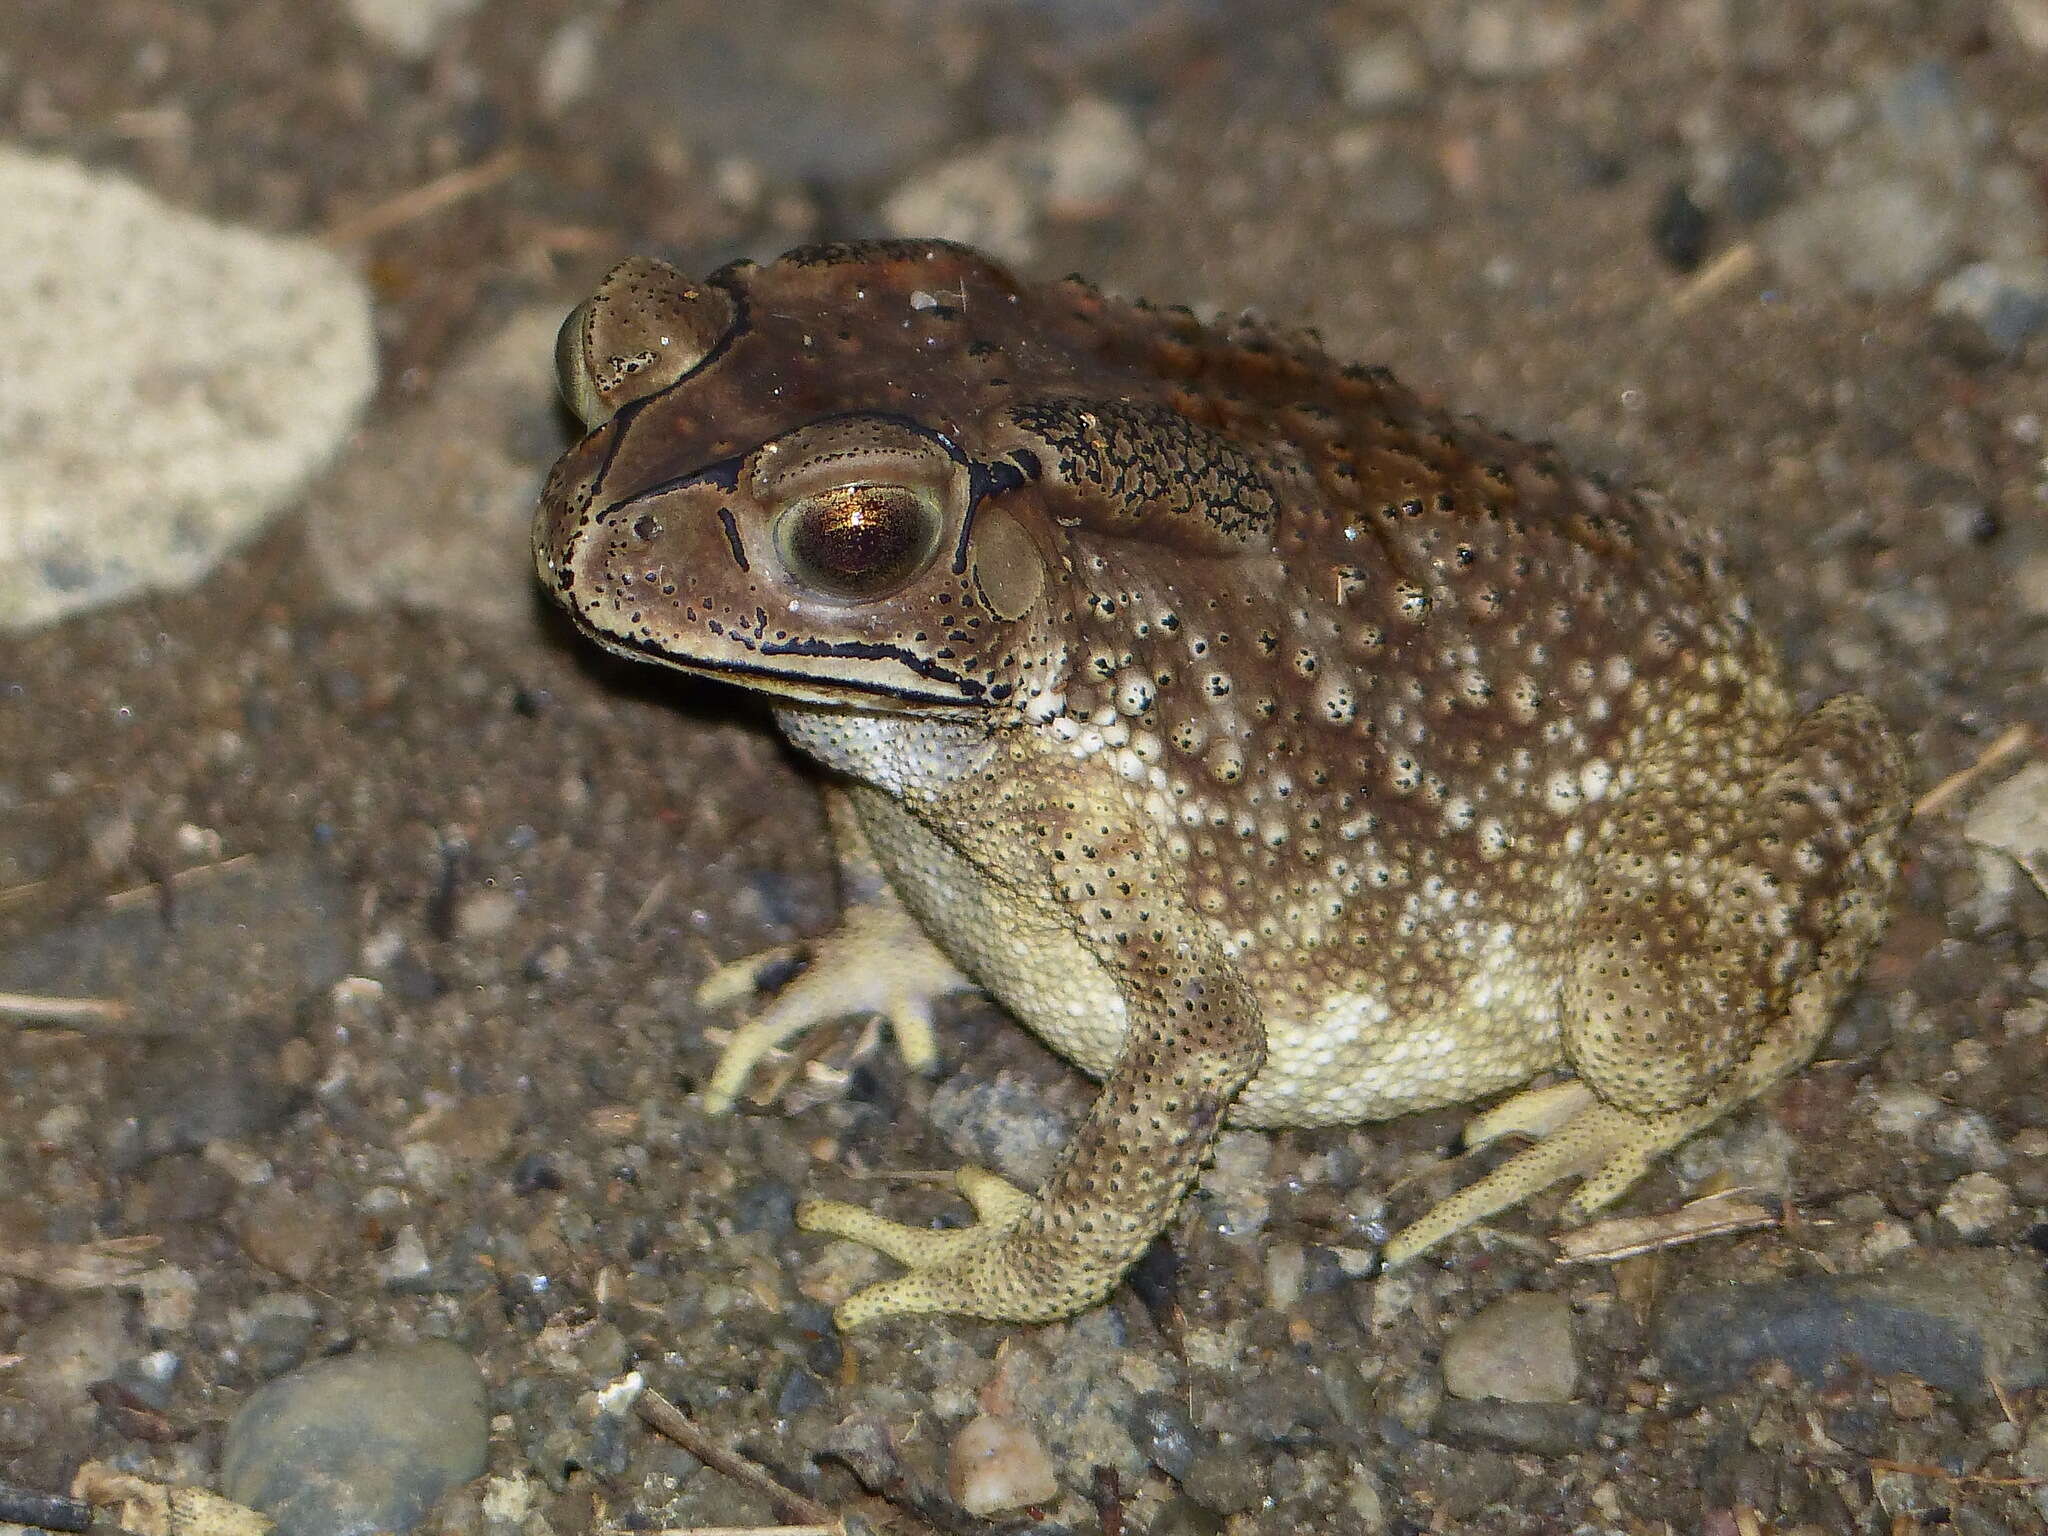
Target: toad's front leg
x,y
1194,1040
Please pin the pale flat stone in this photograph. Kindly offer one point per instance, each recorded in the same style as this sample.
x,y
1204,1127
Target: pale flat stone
x,y
171,384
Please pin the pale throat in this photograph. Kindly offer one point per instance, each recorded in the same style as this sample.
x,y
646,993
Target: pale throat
x,y
902,754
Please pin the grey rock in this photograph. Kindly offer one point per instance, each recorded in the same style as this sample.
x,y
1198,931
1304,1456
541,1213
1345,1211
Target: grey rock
x,y
424,492
1225,1477
1905,196
766,1205
1879,234
1002,1123
1956,1319
271,927
1977,1204
1519,1349
1917,620
2012,820
864,1444
1182,1516
148,1379
274,1333
180,1095
1534,1429
1754,182
800,1390
172,384
69,1353
1079,1399
770,82
360,1444
995,193
2008,305
2027,23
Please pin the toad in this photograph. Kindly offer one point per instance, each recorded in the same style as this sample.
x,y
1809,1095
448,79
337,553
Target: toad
x,y
1282,749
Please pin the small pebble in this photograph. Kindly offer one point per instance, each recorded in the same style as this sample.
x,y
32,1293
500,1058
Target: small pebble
x,y
1386,74
1975,1205
2027,21
286,1232
485,914
1093,150
409,28
1518,39
998,1464
275,1333
406,1266
1519,1349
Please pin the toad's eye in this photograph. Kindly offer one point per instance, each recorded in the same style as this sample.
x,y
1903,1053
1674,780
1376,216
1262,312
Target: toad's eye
x,y
859,540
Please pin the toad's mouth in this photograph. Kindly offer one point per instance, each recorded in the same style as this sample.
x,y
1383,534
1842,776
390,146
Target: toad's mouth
x,y
779,667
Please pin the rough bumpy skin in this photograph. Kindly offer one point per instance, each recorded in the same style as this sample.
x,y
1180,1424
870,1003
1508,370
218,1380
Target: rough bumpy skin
x,y
1279,747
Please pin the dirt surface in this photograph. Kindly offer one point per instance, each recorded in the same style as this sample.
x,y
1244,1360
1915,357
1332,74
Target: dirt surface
x,y
416,901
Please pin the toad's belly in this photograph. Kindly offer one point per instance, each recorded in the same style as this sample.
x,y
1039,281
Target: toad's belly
x,y
1351,1057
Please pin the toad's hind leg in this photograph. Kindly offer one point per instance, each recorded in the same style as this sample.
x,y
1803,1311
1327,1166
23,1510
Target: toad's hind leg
x,y
1716,941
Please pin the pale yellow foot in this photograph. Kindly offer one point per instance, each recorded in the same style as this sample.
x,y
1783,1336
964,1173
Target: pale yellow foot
x,y
1534,1112
943,1264
1582,1137
876,961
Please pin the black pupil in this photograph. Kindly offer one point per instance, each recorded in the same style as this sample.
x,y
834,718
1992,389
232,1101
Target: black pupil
x,y
860,538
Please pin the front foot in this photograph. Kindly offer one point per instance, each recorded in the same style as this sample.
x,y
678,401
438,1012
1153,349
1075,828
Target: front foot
x,y
876,961
990,1270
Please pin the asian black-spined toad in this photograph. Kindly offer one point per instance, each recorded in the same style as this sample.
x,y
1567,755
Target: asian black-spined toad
x,y
1280,748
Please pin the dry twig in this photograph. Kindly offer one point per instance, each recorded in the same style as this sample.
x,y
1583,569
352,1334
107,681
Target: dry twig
x,y
2008,741
427,198
1724,271
663,1416
96,1266
1603,1242
1915,1469
35,1010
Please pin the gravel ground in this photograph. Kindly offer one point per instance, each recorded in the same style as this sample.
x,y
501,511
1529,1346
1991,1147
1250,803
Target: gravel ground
x,y
404,896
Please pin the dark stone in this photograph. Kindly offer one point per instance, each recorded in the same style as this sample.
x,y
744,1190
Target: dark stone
x,y
1757,183
863,1444
533,1174
767,1205
1182,1516
800,1390
1223,1477
1166,1435
1679,229
1957,1320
